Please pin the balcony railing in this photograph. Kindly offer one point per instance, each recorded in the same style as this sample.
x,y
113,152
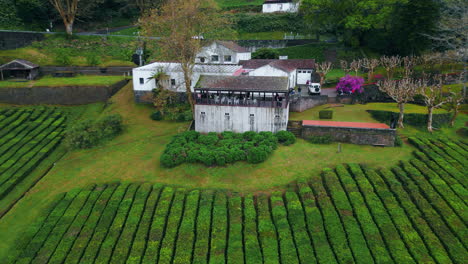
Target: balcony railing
x,y
245,102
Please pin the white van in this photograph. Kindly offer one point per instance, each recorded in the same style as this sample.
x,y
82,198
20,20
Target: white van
x,y
314,88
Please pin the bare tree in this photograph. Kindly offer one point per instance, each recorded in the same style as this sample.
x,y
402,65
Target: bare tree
x,y
432,92
408,66
390,64
184,24
455,100
355,66
324,68
67,10
370,65
401,91
344,66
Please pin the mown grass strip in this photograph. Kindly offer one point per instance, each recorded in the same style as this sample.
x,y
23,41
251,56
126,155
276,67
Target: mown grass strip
x,y
335,230
252,251
267,231
451,243
439,204
219,227
315,224
87,231
124,244
427,176
370,229
158,225
287,246
186,235
388,180
449,180
36,243
113,234
235,250
75,227
54,238
395,244
417,247
297,221
340,201
141,237
173,222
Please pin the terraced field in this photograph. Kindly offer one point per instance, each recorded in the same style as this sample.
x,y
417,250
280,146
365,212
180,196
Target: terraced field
x,y
413,213
27,136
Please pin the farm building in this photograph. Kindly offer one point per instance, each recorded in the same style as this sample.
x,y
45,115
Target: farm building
x,y
271,6
241,103
19,69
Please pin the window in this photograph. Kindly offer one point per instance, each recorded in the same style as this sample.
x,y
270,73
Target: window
x,y
280,6
299,71
227,58
142,81
214,58
252,115
202,59
309,71
202,113
277,116
226,114
172,81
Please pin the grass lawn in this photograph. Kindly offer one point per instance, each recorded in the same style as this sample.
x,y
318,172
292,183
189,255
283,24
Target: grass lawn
x,y
357,112
234,3
274,35
309,51
127,32
49,81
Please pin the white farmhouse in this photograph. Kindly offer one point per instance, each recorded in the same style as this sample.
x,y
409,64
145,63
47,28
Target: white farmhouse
x,y
298,71
223,52
271,6
241,103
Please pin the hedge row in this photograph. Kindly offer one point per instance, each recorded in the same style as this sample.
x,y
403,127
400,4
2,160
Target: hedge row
x,y
105,221
186,235
370,229
267,231
219,228
409,234
452,244
356,239
235,250
414,119
394,241
203,227
75,228
430,238
221,149
253,252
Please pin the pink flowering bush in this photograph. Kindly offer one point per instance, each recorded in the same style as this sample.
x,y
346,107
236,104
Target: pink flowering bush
x,y
350,84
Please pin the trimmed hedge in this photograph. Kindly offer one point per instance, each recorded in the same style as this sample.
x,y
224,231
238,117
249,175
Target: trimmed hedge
x,y
326,114
419,120
221,149
253,253
235,250
267,231
203,225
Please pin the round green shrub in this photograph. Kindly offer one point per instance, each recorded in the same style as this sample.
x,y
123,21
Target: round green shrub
x,y
249,135
208,139
156,115
256,155
285,137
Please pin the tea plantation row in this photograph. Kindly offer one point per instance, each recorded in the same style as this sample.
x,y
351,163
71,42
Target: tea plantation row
x,y
413,213
27,136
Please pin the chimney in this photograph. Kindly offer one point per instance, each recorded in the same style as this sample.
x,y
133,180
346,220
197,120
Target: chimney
x,y
284,57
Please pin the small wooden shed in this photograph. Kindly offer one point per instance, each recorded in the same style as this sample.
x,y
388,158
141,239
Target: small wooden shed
x,y
19,69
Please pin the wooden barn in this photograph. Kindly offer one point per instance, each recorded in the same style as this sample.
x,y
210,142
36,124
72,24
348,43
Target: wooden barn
x,y
19,69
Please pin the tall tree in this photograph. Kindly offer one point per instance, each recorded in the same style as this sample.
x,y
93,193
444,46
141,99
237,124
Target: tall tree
x,y
185,27
70,10
401,91
432,92
323,68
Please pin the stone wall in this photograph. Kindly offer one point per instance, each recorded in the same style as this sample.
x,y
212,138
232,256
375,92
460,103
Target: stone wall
x,y
105,71
300,104
69,95
360,136
253,45
15,40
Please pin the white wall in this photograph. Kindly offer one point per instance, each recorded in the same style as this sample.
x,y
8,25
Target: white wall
x,y
268,70
239,119
221,51
280,7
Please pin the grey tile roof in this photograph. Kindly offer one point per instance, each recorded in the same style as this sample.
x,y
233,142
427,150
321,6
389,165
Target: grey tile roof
x,y
14,64
243,83
285,65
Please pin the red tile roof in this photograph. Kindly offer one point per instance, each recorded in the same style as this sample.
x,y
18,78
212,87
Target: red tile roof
x,y
344,124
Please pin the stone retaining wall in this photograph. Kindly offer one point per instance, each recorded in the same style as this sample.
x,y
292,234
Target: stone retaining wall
x,y
360,136
68,95
300,104
104,71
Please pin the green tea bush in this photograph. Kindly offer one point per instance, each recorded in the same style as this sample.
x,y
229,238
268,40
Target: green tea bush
x,y
87,134
326,114
156,116
93,59
321,139
221,149
285,137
